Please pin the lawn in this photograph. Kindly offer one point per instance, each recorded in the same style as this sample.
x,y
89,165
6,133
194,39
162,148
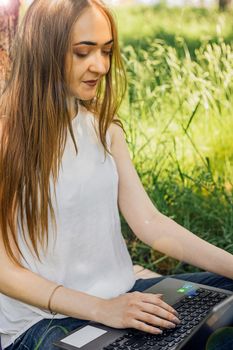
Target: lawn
x,y
178,118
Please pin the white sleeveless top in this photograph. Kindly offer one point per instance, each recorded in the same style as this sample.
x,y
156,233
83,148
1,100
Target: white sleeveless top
x,y
88,252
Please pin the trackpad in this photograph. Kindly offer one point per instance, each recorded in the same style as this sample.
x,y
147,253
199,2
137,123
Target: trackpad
x,y
83,336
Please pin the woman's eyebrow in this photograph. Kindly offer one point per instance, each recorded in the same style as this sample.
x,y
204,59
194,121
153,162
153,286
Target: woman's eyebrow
x,y
93,43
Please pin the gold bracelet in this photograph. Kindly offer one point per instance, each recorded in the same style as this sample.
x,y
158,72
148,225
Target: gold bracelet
x,y
50,299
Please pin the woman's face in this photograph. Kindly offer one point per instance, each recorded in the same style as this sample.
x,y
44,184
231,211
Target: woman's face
x,y
91,50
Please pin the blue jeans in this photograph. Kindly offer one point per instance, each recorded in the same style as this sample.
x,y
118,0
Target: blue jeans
x,y
50,331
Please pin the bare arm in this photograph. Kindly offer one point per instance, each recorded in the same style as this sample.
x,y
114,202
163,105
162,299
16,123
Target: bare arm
x,y
179,243
128,310
28,287
155,229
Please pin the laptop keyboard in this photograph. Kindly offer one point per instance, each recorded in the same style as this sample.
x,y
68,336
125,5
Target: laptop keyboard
x,y
191,309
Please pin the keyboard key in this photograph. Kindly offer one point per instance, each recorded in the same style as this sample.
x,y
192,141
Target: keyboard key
x,y
177,340
138,343
169,339
162,343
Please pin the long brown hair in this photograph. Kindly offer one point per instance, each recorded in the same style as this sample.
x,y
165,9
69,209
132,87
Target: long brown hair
x,y
36,117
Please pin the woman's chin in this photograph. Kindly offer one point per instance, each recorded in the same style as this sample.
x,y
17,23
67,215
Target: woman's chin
x,y
86,97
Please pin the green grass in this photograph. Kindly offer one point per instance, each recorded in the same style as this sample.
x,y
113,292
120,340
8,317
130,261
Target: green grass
x,y
178,117
194,25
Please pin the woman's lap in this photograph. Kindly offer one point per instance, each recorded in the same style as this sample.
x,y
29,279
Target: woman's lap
x,y
48,331
58,328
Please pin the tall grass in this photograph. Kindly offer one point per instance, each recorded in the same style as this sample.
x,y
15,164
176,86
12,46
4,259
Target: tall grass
x,y
178,117
195,25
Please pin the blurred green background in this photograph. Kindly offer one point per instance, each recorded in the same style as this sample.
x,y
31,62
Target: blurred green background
x,y
178,118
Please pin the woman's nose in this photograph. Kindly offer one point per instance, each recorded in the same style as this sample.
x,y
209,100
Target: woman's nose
x,y
99,64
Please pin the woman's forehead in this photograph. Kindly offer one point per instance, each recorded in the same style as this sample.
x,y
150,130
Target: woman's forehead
x,y
92,26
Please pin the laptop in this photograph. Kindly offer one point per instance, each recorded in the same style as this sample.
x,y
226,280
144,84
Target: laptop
x,y
204,311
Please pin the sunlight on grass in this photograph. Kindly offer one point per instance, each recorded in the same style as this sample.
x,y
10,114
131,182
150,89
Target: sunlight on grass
x,y
178,118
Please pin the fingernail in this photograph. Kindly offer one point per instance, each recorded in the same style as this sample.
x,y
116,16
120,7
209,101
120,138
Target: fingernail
x,y
172,325
160,295
175,312
176,320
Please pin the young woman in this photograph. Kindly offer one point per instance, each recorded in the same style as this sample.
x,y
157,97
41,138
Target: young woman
x,y
64,171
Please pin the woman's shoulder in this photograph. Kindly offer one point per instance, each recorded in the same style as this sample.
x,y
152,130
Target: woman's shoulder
x,y
116,130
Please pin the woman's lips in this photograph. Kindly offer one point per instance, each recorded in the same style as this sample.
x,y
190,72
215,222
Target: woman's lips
x,y
91,82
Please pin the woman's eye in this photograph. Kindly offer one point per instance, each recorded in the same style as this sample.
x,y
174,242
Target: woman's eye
x,y
107,53
80,54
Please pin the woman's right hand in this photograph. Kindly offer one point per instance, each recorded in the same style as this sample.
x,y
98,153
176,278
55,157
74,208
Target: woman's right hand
x,y
143,311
